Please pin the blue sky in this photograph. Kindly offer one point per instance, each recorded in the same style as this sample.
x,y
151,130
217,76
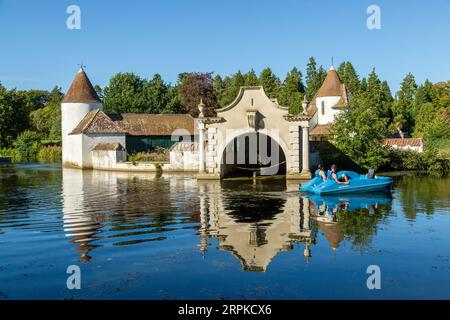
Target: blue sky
x,y
173,36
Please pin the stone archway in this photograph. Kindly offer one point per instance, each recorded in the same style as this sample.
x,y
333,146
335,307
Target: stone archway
x,y
252,112
251,152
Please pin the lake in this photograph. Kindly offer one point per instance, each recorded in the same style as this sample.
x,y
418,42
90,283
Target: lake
x,y
144,236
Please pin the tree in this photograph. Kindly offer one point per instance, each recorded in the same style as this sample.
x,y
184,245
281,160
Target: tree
x,y
125,93
157,96
47,120
359,133
403,106
424,95
377,95
251,79
432,121
348,75
232,87
292,91
363,85
28,144
196,86
99,90
270,83
219,87
13,116
311,79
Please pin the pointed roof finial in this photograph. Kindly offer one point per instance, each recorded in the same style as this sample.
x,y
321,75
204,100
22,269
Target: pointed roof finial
x,y
332,63
82,66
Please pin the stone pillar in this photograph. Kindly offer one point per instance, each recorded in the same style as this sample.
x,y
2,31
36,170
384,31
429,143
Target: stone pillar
x,y
295,150
305,154
212,153
201,147
306,213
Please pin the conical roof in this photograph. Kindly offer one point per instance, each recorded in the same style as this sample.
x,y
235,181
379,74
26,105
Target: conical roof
x,y
332,85
81,90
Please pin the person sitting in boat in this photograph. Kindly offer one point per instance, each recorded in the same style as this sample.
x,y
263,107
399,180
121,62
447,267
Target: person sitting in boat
x,y
320,172
342,180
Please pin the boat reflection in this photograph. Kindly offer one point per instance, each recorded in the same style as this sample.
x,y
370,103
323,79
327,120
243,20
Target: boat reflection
x,y
337,215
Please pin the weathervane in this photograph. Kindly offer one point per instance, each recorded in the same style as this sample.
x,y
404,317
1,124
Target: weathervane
x,y
82,66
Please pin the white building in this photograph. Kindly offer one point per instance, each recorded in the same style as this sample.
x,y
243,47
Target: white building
x,y
329,100
408,144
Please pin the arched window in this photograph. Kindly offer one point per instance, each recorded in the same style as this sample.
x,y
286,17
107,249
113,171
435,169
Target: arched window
x,y
323,107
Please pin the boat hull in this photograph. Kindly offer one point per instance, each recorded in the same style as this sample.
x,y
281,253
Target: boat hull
x,y
357,184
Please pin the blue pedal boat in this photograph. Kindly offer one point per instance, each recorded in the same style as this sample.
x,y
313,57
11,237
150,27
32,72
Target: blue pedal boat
x,y
358,183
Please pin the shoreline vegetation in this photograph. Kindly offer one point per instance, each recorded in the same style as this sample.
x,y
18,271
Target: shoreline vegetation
x,y
30,122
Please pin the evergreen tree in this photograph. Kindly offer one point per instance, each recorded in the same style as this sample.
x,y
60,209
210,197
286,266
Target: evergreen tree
x,y
424,95
348,75
363,85
292,91
219,87
403,106
231,86
251,79
377,96
311,79
270,82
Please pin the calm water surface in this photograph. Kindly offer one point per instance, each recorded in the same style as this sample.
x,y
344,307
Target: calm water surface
x,y
140,236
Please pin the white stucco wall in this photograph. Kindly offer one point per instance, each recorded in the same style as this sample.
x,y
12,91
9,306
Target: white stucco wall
x,y
408,148
71,115
313,122
184,160
91,140
72,155
104,159
330,113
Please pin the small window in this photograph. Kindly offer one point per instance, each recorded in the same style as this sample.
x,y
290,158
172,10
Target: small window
x,y
323,107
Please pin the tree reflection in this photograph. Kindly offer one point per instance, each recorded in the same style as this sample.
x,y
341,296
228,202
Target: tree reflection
x,y
350,217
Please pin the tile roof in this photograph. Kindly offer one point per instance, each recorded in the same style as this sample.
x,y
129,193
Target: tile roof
x,y
320,130
332,86
411,142
96,121
81,90
136,124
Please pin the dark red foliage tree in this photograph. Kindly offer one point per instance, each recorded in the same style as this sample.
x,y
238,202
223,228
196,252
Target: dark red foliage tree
x,y
196,86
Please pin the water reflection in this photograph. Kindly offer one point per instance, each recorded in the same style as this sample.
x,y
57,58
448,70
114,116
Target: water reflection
x,y
253,226
253,222
123,208
157,229
354,216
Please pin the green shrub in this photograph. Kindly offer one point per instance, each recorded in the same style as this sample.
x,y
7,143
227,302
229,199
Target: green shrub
x,y
11,153
157,155
28,145
412,160
50,154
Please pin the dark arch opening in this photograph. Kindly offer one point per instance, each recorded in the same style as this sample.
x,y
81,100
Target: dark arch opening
x,y
252,154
